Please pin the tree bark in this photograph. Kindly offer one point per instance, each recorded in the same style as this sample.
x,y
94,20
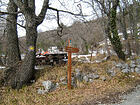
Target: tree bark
x,y
27,67
113,36
122,21
13,52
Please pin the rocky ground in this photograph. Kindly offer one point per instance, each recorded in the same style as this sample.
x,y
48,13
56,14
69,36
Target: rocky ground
x,y
101,82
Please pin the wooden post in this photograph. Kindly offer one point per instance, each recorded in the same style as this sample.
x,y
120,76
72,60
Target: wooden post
x,y
70,50
69,70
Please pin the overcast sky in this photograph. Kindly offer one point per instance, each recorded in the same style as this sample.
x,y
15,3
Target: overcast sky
x,y
50,22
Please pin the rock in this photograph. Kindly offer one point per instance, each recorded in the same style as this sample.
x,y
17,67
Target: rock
x,y
138,66
133,62
64,82
62,79
137,70
39,91
79,76
126,70
49,86
103,78
93,76
73,82
85,78
119,65
132,65
91,80
132,70
111,72
138,61
96,76
125,66
77,70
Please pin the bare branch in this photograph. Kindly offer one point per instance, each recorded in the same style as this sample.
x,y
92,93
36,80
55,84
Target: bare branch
x,y
11,22
61,28
12,13
42,14
66,11
103,6
19,3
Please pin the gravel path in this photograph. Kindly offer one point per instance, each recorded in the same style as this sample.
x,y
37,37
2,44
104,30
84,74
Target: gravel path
x,y
131,99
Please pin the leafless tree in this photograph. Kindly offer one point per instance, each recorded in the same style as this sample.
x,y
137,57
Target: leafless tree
x,y
12,45
110,9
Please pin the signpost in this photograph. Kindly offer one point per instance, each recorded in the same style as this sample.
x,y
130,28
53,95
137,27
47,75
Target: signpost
x,y
70,50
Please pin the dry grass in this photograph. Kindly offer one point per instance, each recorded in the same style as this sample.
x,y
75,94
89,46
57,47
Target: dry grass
x,y
62,96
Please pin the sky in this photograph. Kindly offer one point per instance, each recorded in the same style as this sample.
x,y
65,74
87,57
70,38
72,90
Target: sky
x,y
50,22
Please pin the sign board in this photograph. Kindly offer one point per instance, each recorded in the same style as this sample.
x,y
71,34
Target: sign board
x,y
72,50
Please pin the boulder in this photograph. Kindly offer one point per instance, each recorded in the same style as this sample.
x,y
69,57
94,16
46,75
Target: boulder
x,y
49,86
62,79
137,70
132,70
79,76
93,76
39,91
111,72
125,66
73,82
96,76
138,61
126,70
138,66
85,78
119,65
132,65
77,70
91,80
103,78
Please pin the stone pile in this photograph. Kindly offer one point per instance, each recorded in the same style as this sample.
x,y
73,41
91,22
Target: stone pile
x,y
134,66
81,77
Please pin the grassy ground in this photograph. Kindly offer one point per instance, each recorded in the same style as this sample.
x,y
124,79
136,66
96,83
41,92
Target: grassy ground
x,y
85,92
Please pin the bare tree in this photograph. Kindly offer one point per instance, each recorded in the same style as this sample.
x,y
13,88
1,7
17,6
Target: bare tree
x,y
133,12
12,48
110,9
122,21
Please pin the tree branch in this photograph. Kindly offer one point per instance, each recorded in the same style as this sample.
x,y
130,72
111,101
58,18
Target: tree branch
x,y
42,14
103,6
12,13
19,3
65,11
11,22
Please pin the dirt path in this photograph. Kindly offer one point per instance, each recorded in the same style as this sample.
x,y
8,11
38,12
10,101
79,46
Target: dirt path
x,y
131,98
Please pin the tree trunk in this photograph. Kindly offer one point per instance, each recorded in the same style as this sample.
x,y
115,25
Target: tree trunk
x,y
124,30
113,34
13,52
27,67
133,19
